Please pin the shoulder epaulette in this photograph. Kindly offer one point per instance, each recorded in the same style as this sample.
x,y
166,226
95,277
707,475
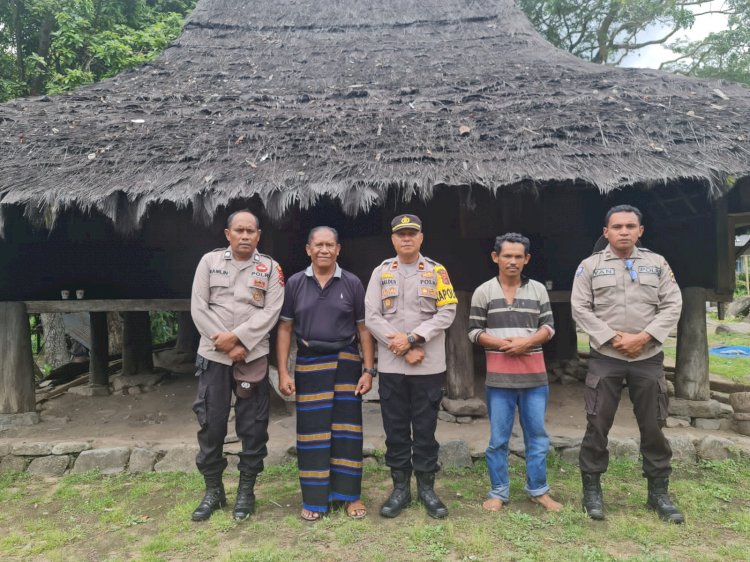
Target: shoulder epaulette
x,y
642,249
389,260
431,261
217,250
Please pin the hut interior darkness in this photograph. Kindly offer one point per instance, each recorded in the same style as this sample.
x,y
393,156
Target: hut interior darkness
x,y
346,113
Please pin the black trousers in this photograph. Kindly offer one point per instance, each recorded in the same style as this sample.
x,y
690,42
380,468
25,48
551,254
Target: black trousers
x,y
648,393
410,405
212,406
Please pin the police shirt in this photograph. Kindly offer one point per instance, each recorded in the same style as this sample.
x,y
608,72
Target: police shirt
x,y
242,297
416,298
611,294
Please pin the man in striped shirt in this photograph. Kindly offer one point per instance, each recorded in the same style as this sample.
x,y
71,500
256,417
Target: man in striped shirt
x,y
511,318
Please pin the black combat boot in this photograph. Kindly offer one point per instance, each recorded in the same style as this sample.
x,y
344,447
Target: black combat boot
x,y
659,501
244,507
593,502
400,496
212,500
428,497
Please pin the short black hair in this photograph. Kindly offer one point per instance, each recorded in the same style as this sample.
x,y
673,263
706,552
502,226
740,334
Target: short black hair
x,y
230,218
314,231
514,238
623,209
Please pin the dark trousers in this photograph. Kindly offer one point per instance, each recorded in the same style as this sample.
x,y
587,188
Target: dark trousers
x,y
648,393
212,406
410,405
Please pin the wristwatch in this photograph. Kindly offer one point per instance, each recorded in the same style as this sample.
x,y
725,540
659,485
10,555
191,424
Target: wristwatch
x,y
411,338
372,372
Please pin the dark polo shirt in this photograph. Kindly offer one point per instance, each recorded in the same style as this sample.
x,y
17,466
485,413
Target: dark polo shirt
x,y
329,314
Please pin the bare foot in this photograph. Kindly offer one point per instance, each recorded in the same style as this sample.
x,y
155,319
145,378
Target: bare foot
x,y
493,504
546,501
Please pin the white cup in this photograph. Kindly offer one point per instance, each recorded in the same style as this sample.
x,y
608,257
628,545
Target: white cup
x,y
79,294
65,294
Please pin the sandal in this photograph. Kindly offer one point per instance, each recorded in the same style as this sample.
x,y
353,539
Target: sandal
x,y
493,504
308,515
356,509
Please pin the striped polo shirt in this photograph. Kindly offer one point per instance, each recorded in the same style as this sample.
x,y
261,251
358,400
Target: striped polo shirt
x,y
529,311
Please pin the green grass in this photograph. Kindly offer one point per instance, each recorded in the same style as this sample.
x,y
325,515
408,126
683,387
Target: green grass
x,y
147,518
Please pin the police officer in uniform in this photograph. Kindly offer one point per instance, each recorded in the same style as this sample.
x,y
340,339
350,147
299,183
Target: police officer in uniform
x,y
236,300
409,303
626,299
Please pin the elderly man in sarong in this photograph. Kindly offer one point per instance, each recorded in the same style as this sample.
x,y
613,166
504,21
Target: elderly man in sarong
x,y
325,311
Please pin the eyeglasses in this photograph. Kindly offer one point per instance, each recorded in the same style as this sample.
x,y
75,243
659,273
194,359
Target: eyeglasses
x,y
629,266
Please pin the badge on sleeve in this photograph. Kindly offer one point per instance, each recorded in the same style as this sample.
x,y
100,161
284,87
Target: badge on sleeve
x,y
280,273
445,293
579,271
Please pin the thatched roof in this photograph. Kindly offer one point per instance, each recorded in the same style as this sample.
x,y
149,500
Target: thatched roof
x,y
292,100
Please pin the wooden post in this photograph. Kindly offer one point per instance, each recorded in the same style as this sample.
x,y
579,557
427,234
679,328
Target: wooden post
x,y
99,353
459,352
136,343
691,370
187,334
565,344
747,280
16,366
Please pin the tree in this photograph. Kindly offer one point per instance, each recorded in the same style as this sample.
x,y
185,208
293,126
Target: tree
x,y
724,54
605,31
49,46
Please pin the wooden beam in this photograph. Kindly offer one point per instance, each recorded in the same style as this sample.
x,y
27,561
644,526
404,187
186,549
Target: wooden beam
x,y
116,305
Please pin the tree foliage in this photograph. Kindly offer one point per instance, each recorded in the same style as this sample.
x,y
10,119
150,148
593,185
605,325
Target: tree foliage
x,y
723,54
605,31
49,46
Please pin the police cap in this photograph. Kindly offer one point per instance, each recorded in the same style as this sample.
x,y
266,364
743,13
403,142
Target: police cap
x,y
406,221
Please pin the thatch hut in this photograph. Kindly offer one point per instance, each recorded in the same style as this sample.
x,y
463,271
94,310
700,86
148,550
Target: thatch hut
x,y
346,113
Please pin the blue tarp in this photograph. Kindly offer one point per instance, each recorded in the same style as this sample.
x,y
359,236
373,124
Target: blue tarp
x,y
731,351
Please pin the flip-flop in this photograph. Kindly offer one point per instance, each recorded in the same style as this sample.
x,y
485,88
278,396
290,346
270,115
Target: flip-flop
x,y
308,515
356,509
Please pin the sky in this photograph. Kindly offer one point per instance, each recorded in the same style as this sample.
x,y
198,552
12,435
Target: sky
x,y
654,55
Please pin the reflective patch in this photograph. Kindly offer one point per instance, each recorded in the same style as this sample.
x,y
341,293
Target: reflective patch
x,y
445,293
603,271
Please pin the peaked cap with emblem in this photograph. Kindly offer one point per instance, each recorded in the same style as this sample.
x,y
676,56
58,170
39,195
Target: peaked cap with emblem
x,y
406,221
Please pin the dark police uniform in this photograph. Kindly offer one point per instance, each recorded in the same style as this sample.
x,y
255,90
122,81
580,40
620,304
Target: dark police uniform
x,y
610,295
243,297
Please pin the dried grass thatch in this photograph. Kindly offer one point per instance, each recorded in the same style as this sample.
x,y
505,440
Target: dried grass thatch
x,y
293,100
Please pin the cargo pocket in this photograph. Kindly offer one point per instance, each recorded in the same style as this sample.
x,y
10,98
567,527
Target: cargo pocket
x,y
200,406
663,401
435,396
263,396
591,394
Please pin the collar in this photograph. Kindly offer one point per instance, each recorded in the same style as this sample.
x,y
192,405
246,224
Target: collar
x,y
336,273
609,254
255,258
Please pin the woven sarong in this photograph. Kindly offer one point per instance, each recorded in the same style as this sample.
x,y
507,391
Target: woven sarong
x,y
329,427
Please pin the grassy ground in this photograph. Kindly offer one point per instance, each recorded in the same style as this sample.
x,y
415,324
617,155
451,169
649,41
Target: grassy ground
x,y
147,518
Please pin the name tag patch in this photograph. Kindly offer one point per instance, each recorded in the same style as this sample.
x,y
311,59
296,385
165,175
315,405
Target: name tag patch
x,y
653,269
213,271
603,271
